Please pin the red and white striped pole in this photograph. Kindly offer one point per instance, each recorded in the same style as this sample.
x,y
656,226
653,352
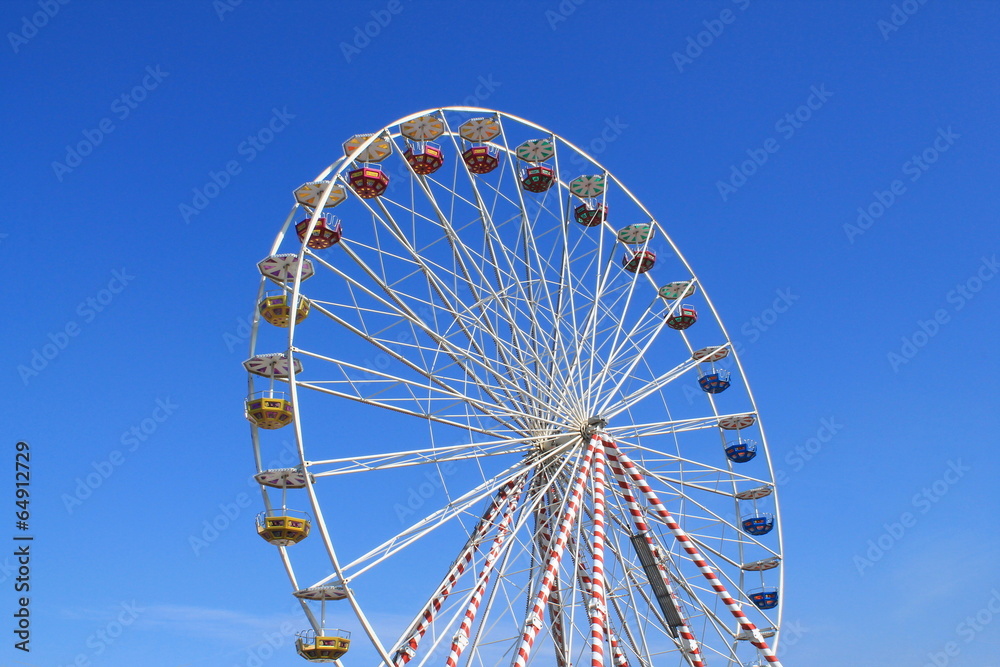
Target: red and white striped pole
x,y
461,639
598,603
689,645
583,574
621,660
409,647
624,470
555,601
533,623
616,651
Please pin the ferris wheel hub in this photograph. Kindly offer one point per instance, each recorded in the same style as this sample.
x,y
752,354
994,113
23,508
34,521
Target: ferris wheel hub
x,y
594,425
560,441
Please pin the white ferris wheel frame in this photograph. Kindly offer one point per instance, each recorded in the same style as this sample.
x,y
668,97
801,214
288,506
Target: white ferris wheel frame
x,y
347,465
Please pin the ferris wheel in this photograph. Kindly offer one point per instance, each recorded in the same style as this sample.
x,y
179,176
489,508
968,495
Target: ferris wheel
x,y
520,433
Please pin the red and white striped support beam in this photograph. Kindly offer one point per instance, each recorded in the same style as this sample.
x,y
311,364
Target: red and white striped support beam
x,y
583,574
689,643
625,470
616,650
409,647
598,602
533,623
461,639
555,602
586,582
556,626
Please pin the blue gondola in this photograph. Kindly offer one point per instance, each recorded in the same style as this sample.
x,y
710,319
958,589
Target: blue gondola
x,y
715,382
741,451
765,598
760,524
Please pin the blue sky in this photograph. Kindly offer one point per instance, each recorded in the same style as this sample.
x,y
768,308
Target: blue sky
x,y
829,169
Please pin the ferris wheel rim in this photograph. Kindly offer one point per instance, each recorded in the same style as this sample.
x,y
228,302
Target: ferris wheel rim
x,y
335,171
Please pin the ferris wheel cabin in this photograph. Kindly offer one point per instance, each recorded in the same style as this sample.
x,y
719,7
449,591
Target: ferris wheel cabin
x,y
758,524
274,308
481,159
425,159
326,647
269,410
639,261
537,178
683,318
590,215
765,598
741,451
283,527
326,233
369,181
714,382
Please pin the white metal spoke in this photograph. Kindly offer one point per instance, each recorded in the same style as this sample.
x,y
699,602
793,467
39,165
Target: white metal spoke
x,y
425,526
432,455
